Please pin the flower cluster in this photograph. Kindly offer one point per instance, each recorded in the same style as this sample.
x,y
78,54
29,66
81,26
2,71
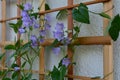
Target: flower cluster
x,y
60,36
28,21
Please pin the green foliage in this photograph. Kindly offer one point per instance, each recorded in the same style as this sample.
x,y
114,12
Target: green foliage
x,y
15,75
77,30
10,47
20,6
105,15
36,15
55,74
58,73
81,14
47,7
2,55
115,28
16,26
6,79
62,14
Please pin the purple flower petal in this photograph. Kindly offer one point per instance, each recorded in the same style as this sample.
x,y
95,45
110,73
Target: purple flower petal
x,y
65,41
56,50
16,68
24,14
42,33
47,18
21,30
59,27
66,61
58,35
41,40
36,25
47,26
33,38
27,6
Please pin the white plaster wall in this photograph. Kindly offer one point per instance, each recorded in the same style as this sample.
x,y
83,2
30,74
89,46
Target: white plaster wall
x,y
89,59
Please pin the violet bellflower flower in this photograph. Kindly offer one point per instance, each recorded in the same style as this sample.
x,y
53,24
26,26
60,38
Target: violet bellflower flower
x,y
35,23
58,35
66,41
47,18
66,62
27,7
16,68
59,31
21,30
24,13
47,26
27,21
59,27
56,50
42,33
33,38
41,40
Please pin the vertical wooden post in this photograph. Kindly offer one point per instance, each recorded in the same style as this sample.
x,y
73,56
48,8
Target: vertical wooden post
x,y
3,28
108,49
18,37
41,57
70,34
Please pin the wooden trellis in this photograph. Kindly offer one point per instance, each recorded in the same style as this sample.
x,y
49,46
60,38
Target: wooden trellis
x,y
95,40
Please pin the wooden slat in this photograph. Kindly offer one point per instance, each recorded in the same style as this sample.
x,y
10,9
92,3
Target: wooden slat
x,y
70,34
18,38
42,51
95,40
58,9
18,35
108,49
3,28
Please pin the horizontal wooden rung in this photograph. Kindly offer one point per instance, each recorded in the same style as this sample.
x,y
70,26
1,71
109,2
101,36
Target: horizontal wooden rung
x,y
95,40
69,76
58,9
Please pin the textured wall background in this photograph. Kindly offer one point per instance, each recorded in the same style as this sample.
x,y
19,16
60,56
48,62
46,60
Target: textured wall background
x,y
89,59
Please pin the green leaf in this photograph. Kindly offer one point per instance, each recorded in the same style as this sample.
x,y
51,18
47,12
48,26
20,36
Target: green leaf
x,y
16,26
106,31
47,7
35,15
60,63
77,29
115,28
105,15
62,72
10,47
28,77
54,43
62,14
81,14
20,6
2,55
14,65
6,79
55,74
15,74
23,65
